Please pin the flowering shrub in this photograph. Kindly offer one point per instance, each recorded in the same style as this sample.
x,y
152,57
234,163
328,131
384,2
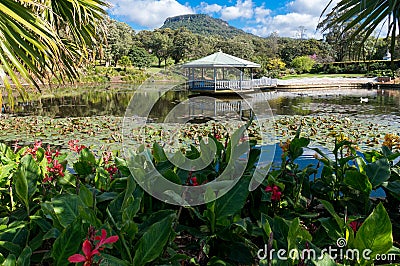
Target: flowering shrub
x,y
49,212
91,248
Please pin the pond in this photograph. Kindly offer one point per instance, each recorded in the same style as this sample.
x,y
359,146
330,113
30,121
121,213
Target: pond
x,y
94,115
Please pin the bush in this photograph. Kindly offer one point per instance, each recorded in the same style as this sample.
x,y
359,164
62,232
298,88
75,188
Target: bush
x,y
303,64
98,214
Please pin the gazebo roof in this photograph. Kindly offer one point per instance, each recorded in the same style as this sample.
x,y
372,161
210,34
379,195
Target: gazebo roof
x,y
221,59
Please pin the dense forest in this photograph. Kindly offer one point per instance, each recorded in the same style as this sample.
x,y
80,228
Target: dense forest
x,y
189,37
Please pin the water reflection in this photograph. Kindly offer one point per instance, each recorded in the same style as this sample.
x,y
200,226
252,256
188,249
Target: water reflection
x,y
99,101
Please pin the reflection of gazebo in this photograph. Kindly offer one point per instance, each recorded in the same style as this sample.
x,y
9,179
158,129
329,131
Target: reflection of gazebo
x,y
221,72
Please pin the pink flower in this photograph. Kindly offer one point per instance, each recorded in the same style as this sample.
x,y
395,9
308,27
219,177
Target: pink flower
x,y
73,146
107,157
89,254
276,193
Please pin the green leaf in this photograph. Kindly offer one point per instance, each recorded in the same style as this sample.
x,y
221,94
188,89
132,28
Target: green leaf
x,y
10,261
233,201
393,188
21,187
295,233
13,248
329,207
86,196
24,258
296,147
151,244
26,178
64,209
358,181
375,233
326,261
112,261
158,153
378,172
68,243
87,156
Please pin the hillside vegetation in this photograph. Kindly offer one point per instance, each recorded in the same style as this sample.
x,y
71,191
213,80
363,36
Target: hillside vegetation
x,y
204,25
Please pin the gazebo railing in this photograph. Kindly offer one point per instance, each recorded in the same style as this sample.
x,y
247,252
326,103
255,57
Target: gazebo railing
x,y
231,84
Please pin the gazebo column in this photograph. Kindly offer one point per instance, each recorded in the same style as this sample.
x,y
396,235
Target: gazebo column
x,y
215,79
241,78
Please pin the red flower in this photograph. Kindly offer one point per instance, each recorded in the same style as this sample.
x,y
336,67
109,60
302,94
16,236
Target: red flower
x,y
36,146
112,170
89,254
193,181
276,193
103,239
73,146
355,225
107,157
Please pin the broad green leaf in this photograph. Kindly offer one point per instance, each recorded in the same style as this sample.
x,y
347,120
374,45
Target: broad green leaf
x,y
24,259
10,261
64,209
378,172
358,181
151,244
296,234
393,188
329,207
86,196
26,178
325,261
158,153
233,201
112,261
375,233
88,156
68,243
13,248
331,227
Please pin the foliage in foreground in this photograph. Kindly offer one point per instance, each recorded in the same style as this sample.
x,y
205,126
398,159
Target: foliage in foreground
x,y
97,214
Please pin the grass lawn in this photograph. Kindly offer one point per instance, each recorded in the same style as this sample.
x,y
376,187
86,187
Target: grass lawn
x,y
308,75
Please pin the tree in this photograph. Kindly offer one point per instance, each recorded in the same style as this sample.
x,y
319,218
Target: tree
x,y
184,42
39,39
161,45
303,64
120,38
239,46
125,61
140,57
366,16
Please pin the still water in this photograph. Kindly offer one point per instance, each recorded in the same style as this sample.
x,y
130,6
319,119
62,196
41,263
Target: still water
x,y
381,105
100,101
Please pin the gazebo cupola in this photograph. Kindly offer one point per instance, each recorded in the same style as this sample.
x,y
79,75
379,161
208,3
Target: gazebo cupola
x,y
220,72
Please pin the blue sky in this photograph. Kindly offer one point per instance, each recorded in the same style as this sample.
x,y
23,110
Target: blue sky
x,y
260,17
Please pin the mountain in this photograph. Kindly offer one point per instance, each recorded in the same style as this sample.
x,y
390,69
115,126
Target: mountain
x,y
204,25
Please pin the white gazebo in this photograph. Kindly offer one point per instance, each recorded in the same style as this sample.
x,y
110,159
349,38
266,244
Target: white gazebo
x,y
222,72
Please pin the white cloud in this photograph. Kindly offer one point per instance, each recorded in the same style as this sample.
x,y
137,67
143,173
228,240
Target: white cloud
x,y
208,9
300,13
262,14
314,7
242,9
148,13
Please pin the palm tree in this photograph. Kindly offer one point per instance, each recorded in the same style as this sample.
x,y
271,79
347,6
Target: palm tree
x,y
40,39
363,17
